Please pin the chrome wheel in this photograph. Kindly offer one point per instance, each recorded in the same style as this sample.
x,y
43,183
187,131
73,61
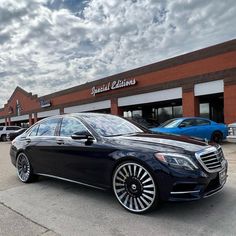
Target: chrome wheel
x,y
23,168
134,187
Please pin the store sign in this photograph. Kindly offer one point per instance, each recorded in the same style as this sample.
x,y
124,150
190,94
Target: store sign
x,y
116,84
45,103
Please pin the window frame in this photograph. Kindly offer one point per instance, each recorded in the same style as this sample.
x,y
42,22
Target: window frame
x,y
44,121
78,120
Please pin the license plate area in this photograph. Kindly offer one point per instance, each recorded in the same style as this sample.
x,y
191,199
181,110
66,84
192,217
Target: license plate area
x,y
222,176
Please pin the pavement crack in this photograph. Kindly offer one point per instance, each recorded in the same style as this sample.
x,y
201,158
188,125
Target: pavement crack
x,y
25,217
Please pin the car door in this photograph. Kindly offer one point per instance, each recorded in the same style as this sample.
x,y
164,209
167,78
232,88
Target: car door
x,y
41,147
203,128
79,160
187,127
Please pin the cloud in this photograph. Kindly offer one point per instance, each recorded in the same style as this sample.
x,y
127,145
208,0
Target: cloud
x,y
46,46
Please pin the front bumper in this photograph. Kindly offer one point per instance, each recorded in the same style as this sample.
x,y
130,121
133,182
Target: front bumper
x,y
186,186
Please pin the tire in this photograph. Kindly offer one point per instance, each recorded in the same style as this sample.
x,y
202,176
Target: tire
x,y
4,138
24,169
217,137
134,187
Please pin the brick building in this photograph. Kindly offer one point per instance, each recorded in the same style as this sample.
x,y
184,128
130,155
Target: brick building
x,y
200,83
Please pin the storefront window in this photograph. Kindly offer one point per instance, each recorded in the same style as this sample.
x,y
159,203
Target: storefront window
x,y
205,110
166,113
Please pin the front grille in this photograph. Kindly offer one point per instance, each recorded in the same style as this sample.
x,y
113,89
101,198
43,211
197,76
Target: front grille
x,y
211,159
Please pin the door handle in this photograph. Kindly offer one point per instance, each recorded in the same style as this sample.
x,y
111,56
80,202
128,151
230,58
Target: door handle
x,y
28,140
60,141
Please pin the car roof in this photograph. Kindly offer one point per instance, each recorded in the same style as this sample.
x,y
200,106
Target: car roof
x,y
191,117
9,126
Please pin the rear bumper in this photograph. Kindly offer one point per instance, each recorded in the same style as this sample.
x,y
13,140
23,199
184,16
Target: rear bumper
x,y
13,154
179,186
231,139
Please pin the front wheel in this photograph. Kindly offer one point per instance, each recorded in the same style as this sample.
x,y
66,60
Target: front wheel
x,y
217,137
134,187
24,169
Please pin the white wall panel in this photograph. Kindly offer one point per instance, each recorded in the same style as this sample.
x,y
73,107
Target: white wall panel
x,y
163,95
209,88
89,107
48,113
19,118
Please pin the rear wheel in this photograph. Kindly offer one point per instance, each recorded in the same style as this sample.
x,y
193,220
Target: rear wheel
x,y
217,137
24,169
134,187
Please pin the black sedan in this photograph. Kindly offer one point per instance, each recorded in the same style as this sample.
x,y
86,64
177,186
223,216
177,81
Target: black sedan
x,y
16,133
106,151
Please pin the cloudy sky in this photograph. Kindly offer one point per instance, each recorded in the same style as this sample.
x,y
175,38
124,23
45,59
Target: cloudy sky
x,y
50,45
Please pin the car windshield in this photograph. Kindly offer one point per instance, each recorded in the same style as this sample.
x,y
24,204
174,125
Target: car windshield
x,y
109,125
171,123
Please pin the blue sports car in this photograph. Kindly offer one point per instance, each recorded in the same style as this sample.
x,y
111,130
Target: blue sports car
x,y
194,127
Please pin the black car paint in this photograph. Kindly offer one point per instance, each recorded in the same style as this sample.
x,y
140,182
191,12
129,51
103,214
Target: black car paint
x,y
93,163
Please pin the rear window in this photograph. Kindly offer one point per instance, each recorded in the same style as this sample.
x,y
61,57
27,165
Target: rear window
x,y
34,130
202,122
47,128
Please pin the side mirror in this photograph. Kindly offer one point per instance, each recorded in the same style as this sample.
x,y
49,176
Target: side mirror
x,y
88,137
182,125
82,136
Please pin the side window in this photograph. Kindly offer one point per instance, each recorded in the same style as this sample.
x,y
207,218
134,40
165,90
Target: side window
x,y
15,128
71,126
202,122
188,123
1,128
47,128
34,131
10,128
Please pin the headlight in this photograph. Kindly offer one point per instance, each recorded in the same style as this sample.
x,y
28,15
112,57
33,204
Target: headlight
x,y
231,131
176,160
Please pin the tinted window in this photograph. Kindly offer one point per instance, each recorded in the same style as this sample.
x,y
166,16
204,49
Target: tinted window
x,y
1,128
34,131
17,128
71,126
188,122
12,128
47,128
202,122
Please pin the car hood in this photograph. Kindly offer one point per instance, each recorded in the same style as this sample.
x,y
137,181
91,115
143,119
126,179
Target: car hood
x,y
161,142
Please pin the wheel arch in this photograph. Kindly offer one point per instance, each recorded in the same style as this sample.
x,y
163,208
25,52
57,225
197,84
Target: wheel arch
x,y
130,158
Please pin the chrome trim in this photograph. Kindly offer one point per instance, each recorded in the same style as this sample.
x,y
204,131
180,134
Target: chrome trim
x,y
78,120
69,180
209,150
215,191
185,192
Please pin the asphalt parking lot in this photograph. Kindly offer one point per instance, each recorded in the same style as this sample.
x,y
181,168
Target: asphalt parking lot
x,y
52,207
